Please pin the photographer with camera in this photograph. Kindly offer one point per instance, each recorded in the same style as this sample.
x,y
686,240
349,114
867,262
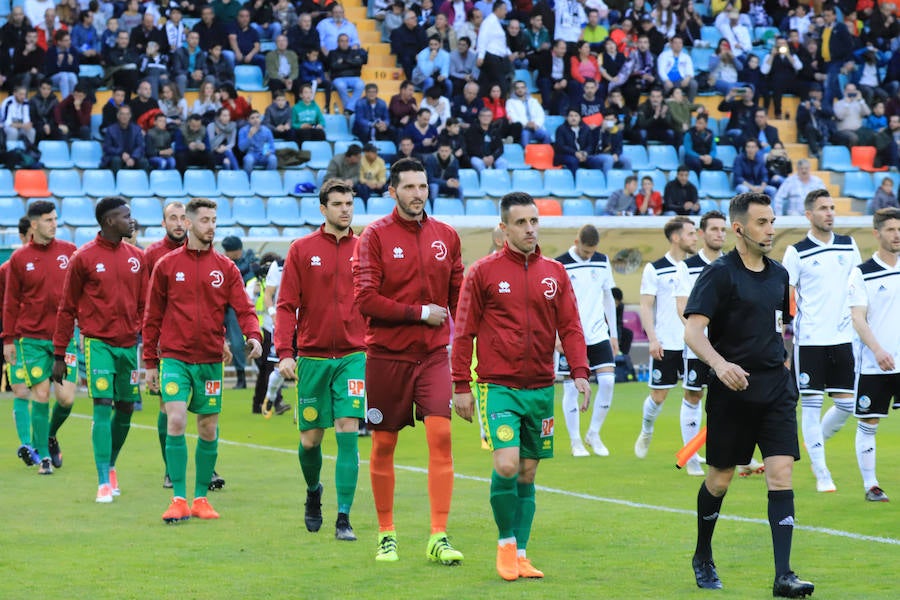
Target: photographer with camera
x,y
742,105
849,113
781,68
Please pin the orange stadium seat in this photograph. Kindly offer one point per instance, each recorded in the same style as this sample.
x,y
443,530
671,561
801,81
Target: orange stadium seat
x,y
539,156
31,183
548,207
864,158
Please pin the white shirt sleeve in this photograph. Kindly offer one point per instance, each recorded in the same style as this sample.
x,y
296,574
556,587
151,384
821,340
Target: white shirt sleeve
x,y
856,289
791,262
649,280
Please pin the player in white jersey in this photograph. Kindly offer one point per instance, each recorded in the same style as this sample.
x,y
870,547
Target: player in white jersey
x,y
819,266
591,275
874,298
662,322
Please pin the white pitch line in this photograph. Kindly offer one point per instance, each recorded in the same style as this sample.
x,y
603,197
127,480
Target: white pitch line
x,y
570,494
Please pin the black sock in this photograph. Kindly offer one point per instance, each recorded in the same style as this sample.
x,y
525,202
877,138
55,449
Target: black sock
x,y
707,514
781,521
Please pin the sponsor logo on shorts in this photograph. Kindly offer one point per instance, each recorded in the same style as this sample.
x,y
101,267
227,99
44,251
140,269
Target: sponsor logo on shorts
x,y
547,427
212,401
134,265
171,388
310,414
552,287
217,278
213,387
102,384
505,433
440,249
503,287
20,373
398,252
864,402
657,375
803,379
135,378
547,445
36,371
374,416
501,415
692,376
356,388
356,403
71,359
101,268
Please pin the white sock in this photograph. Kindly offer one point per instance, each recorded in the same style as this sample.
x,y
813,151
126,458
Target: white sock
x,y
275,383
602,401
691,416
865,453
570,410
651,410
812,433
836,416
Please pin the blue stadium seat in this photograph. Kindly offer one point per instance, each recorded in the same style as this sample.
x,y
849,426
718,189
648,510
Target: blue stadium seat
x,y
62,233
224,232
659,180
600,207
481,207
552,123
281,144
615,180
342,145
11,210
663,157
715,184
385,147
90,71
495,182
320,154
766,35
470,183
700,58
577,207
708,205
336,129
262,232
836,158
55,154
146,211
531,180
166,183
560,183
296,177
234,183
96,121
515,156
638,155
379,206
249,78
448,207
858,184
266,183
200,182
526,76
249,211
155,233
283,211
309,211
83,235
295,232
30,201
726,154
224,216
320,178
359,206
6,183
710,34
133,182
87,154
590,182
65,183
98,183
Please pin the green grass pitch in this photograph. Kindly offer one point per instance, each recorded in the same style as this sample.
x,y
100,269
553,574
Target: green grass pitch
x,y
615,527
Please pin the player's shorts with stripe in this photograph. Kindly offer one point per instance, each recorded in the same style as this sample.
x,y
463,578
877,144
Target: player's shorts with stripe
x,y
517,418
764,415
400,392
200,385
329,389
696,374
598,355
112,371
666,373
34,361
875,394
823,369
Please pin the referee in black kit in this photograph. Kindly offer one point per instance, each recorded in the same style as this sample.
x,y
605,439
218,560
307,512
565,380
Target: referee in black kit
x,y
743,299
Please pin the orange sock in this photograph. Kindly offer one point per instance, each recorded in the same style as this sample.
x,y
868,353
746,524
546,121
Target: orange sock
x,y
381,472
440,471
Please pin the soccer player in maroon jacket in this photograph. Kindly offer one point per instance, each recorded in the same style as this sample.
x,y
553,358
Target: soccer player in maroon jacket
x,y
105,289
407,273
34,284
183,337
515,301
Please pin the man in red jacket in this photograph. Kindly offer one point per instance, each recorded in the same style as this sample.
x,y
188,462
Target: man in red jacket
x,y
105,288
183,338
407,273
515,301
34,284
315,303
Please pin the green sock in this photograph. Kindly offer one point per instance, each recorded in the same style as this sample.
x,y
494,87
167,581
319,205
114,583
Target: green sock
x,y
176,459
121,424
311,464
346,471
524,514
59,416
22,417
162,424
102,440
40,423
206,455
504,501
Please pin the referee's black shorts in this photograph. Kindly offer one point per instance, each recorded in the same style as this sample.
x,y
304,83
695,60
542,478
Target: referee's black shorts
x,y
764,415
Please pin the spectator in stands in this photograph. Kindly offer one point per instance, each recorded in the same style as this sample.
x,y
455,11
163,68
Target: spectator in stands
x,y
749,171
278,117
877,121
452,135
741,104
282,67
570,16
257,143
638,74
737,35
466,107
16,114
648,201
456,12
172,105
73,115
778,164
762,132
403,106
406,149
86,40
789,198
189,68
122,64
47,29
483,146
836,49
147,32
432,67
226,11
800,22
307,120
12,33
345,64
583,65
34,9
849,113
495,101
553,75
159,145
67,11
656,39
680,196
123,144
665,18
28,63
285,14
724,69
884,196
682,110
154,67
142,102
573,144
782,68
438,105
312,71
131,17
43,112
407,41
888,151
423,134
676,69
494,58
865,72
243,41
638,10
700,147
611,63
590,106
622,202
654,121
236,105
527,113
443,173
537,37
62,63
470,28
371,120
331,28
462,65
192,147
372,173
222,134
626,117
303,36
212,32
690,24
608,141
814,120
392,19
593,32
176,32
517,44
207,103
884,28
345,166
444,32
262,19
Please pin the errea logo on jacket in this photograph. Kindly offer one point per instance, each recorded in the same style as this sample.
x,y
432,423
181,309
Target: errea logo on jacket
x,y
503,287
398,252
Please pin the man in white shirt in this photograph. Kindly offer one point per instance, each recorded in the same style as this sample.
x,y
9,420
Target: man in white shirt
x,y
737,35
791,194
175,30
493,53
523,109
16,115
675,68
35,9
570,18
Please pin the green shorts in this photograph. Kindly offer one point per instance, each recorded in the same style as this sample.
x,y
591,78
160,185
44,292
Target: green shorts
x,y
34,361
518,418
329,389
112,371
201,384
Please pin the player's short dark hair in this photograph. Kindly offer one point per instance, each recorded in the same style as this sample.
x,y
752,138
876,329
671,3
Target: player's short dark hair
x,y
740,204
713,214
336,186
24,225
39,208
675,225
884,214
588,235
405,165
196,204
107,204
814,195
513,199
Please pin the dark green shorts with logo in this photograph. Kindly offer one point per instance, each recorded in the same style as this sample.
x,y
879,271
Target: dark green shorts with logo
x,y
199,385
517,418
112,371
34,361
329,389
